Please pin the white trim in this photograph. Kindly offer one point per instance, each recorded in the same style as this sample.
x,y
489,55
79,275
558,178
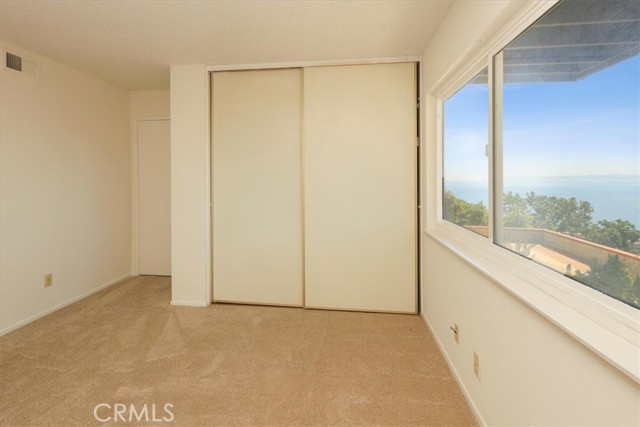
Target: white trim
x,y
519,25
503,37
464,77
458,83
208,293
456,375
184,303
439,165
303,64
134,197
422,178
63,304
496,165
608,327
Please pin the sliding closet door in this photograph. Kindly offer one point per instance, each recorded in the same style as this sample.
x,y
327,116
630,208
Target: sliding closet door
x,y
360,187
257,194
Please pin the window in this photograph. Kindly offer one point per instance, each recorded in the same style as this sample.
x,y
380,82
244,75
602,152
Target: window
x,y
570,145
465,137
566,146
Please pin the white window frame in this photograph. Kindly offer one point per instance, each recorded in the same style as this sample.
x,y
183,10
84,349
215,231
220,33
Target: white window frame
x,y
461,81
605,325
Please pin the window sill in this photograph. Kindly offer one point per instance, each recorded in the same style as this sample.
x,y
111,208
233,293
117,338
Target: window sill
x,y
608,327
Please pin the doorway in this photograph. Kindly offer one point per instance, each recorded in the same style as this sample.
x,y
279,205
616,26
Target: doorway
x,y
154,197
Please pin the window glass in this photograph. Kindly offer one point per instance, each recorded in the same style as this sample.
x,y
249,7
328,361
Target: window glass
x,y
571,145
465,136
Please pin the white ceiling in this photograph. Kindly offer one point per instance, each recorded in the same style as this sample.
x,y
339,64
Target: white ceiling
x,y
132,43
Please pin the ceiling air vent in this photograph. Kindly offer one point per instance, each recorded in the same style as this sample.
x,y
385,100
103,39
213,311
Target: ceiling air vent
x,y
23,65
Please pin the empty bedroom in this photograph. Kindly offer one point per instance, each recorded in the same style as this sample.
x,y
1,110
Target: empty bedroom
x,y
319,213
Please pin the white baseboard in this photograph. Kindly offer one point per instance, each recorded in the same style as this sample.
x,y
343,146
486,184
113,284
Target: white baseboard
x,y
57,307
189,303
465,392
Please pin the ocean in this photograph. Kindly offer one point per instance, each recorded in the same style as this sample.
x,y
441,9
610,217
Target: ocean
x,y
611,196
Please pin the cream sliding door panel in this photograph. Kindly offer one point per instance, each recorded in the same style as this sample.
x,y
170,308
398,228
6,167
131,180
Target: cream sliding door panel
x,y
154,197
360,187
257,194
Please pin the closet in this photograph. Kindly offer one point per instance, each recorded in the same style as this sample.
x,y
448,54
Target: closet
x,y
314,187
257,187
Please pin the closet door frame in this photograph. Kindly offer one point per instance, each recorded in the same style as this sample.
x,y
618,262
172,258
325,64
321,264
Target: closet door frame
x,y
304,64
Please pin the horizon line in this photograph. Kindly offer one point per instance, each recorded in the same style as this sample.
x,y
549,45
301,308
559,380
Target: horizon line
x,y
610,175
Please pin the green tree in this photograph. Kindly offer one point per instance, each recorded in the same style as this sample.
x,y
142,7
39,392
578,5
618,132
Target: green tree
x,y
560,214
516,213
633,295
619,234
564,215
612,278
462,212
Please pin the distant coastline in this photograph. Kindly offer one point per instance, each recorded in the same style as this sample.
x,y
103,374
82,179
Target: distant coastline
x,y
611,196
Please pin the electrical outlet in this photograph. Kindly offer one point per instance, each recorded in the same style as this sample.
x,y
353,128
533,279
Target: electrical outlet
x,y
456,332
476,364
48,280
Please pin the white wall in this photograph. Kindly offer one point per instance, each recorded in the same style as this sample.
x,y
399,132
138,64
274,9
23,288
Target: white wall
x,y
149,104
532,373
190,186
144,104
65,188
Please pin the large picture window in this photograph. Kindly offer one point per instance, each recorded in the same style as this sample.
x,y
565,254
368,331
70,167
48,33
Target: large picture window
x,y
566,145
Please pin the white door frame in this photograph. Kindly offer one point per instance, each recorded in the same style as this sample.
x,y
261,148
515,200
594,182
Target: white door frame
x,y
210,69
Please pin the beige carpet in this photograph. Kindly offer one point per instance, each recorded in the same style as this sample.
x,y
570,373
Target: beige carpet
x,y
225,365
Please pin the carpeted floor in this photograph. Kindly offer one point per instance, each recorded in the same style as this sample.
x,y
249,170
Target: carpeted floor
x,y
224,365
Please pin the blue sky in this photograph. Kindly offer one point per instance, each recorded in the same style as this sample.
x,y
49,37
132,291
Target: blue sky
x,y
587,127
